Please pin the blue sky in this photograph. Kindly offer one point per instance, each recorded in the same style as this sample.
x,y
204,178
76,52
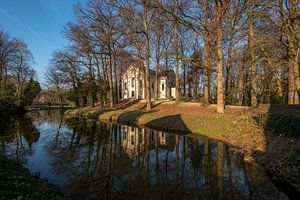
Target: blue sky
x,y
38,23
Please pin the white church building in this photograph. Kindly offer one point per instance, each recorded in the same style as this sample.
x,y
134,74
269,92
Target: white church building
x,y
133,85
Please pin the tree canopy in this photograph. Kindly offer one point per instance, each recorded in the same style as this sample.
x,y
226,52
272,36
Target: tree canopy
x,y
249,50
18,86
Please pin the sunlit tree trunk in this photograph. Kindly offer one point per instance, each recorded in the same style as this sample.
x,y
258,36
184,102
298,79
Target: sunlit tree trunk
x,y
195,82
220,96
241,84
228,69
289,13
100,81
120,82
207,39
207,67
147,54
92,81
157,69
157,53
111,88
292,91
253,77
297,74
183,70
116,92
167,66
176,38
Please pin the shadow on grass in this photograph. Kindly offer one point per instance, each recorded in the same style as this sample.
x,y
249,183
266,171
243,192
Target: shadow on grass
x,y
156,104
127,103
132,117
169,123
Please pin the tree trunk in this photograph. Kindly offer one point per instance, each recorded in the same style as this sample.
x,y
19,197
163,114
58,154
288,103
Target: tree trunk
x,y
228,68
91,81
116,92
253,77
176,38
297,75
292,92
220,96
183,71
157,65
241,85
147,55
290,30
120,82
167,68
142,69
105,78
207,67
111,88
195,83
99,85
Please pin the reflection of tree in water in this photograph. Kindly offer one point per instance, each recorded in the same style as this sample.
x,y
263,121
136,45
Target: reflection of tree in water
x,y
41,116
108,161
112,161
196,155
17,136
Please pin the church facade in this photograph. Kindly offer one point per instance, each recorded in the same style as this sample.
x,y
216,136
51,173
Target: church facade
x,y
133,85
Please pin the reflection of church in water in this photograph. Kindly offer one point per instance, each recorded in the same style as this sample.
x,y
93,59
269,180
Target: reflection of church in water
x,y
135,141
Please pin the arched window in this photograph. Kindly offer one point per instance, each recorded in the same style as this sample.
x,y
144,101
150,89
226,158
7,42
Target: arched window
x,y
132,139
125,86
132,82
162,87
125,135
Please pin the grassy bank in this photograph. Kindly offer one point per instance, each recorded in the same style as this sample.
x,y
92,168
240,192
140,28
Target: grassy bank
x,y
17,183
46,107
184,118
238,127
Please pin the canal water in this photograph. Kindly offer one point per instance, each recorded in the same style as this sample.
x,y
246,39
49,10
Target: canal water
x,y
97,160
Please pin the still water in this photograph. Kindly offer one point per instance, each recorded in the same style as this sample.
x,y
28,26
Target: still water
x,y
95,160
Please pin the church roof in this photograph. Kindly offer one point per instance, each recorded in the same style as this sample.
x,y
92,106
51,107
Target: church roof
x,y
162,72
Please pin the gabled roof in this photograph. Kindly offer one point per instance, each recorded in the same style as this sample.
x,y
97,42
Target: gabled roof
x,y
162,72
166,72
